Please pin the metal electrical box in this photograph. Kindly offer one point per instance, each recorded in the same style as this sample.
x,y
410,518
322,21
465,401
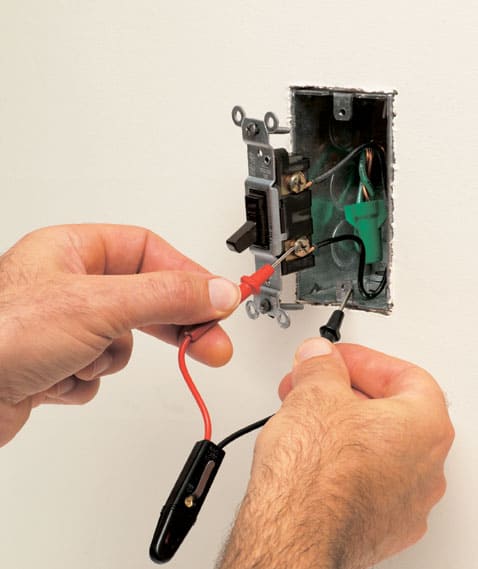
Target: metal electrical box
x,y
327,124
330,196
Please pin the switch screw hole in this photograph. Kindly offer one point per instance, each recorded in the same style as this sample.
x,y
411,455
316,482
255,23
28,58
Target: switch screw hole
x,y
238,115
271,122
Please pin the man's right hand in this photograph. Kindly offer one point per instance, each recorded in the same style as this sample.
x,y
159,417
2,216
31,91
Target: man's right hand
x,y
346,473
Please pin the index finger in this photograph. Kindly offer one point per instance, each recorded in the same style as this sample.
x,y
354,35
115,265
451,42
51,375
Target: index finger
x,y
107,249
380,376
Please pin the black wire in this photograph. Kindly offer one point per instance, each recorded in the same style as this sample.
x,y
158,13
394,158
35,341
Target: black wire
x,y
369,295
243,431
325,175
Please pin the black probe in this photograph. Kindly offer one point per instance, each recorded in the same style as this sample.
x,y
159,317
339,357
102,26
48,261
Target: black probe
x,y
331,330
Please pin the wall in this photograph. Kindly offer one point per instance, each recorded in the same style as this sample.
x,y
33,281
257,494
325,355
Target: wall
x,y
120,112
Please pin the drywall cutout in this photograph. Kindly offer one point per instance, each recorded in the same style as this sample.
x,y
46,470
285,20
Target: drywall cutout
x,y
327,126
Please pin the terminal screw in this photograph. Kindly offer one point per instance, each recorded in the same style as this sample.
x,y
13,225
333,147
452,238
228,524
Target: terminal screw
x,y
252,129
297,182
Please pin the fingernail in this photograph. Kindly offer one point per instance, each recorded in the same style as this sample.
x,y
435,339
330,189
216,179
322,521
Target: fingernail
x,y
313,348
102,364
223,294
65,386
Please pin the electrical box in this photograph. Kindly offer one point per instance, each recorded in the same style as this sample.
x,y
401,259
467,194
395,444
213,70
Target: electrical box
x,y
330,197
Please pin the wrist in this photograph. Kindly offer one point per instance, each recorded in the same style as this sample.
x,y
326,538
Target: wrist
x,y
304,507
289,521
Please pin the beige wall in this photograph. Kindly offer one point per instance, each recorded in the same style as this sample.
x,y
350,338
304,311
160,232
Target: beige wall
x,y
120,111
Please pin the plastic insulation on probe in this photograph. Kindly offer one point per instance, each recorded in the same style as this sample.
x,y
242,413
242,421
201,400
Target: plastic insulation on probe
x,y
251,284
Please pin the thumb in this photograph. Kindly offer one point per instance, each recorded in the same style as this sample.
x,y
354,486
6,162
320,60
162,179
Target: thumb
x,y
317,361
165,297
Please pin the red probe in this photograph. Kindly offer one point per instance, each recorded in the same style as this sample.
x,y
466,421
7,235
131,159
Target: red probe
x,y
250,284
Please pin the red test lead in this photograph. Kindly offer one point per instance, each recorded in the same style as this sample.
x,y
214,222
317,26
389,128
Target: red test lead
x,y
250,284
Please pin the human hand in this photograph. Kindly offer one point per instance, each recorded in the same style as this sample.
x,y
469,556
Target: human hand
x,y
343,479
69,298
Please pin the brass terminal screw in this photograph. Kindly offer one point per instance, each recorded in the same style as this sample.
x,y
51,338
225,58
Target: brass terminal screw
x,y
297,182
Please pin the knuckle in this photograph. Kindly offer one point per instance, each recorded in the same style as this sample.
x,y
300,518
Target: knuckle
x,y
168,288
87,372
11,393
311,368
179,291
120,353
311,395
420,531
445,435
450,434
440,489
86,394
416,530
186,291
324,373
434,491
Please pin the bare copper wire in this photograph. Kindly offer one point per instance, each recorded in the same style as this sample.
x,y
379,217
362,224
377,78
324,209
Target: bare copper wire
x,y
368,164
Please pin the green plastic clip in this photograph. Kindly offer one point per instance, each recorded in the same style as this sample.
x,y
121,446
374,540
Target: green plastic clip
x,y
367,218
